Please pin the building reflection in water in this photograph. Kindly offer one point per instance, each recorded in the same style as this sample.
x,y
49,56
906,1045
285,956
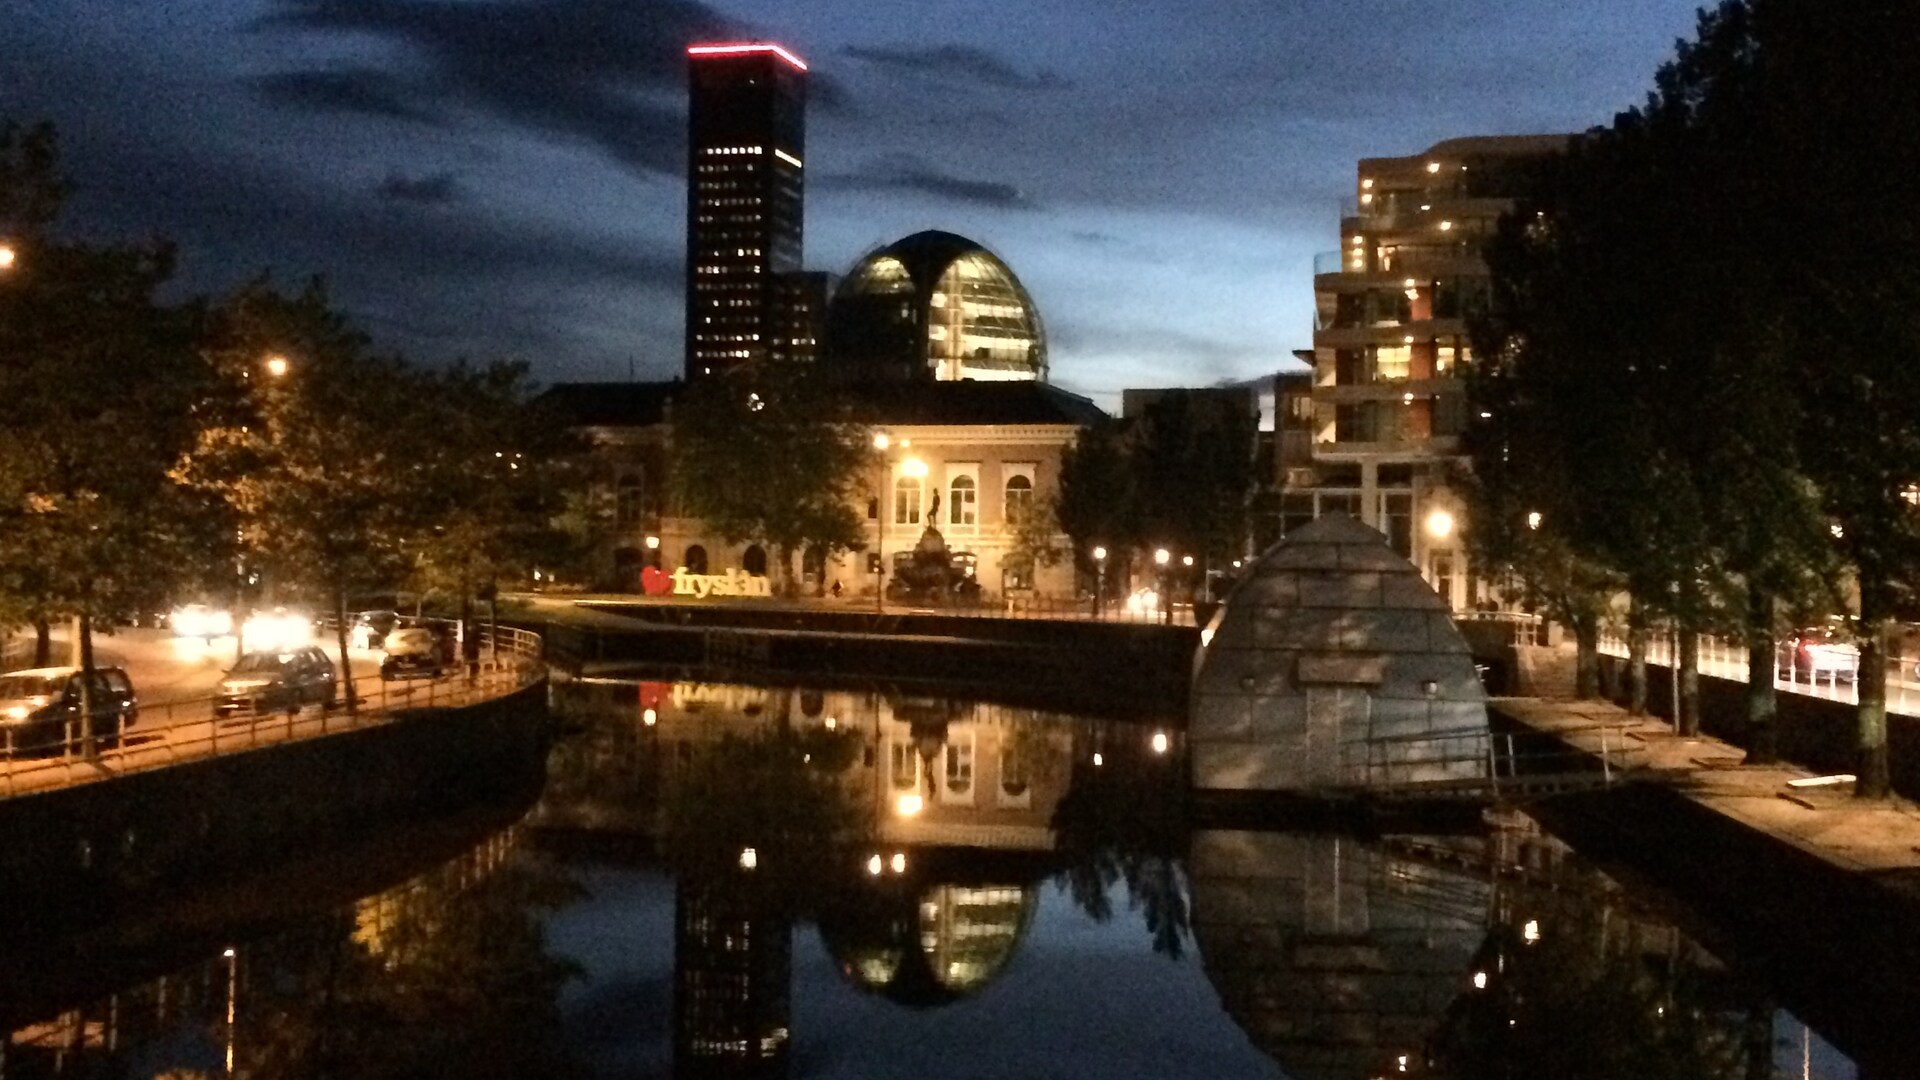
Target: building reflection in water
x,y
927,902
1466,956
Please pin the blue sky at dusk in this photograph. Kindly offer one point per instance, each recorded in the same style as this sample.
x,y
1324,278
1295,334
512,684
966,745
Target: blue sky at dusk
x,y
504,177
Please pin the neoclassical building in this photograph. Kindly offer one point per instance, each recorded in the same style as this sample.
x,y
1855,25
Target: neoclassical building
x,y
935,347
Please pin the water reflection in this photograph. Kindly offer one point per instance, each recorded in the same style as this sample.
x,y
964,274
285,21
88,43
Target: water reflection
x,y
740,881
443,975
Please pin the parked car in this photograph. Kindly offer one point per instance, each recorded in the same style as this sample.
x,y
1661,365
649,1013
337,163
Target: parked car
x,y
370,628
1819,652
40,707
416,650
277,681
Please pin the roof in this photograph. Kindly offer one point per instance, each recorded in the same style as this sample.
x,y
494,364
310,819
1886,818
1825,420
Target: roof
x,y
969,402
609,404
927,254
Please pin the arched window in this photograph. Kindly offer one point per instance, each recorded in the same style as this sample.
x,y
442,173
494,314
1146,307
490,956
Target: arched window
x,y
696,560
906,500
754,560
960,501
1019,495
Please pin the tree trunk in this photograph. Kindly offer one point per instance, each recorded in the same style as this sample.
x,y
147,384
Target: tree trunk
x,y
84,625
1688,722
1586,663
42,643
346,659
789,583
1636,667
1763,735
1872,779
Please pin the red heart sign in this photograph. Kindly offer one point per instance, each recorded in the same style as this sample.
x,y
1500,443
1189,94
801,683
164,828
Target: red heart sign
x,y
655,581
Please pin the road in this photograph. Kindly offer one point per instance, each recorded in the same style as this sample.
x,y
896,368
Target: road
x,y
174,681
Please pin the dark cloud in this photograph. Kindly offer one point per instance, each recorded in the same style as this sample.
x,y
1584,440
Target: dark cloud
x,y
350,90
904,172
957,63
433,189
609,72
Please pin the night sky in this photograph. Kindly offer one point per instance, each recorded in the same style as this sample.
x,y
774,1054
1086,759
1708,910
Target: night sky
x,y
491,178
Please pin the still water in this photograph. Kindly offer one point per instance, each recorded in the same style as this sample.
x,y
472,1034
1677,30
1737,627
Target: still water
x,y
731,880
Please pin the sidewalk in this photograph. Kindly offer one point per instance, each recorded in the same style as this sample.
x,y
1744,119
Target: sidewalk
x,y
1824,822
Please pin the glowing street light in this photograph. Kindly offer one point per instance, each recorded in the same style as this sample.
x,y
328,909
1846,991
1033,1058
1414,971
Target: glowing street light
x,y
276,365
8,256
653,543
1533,520
882,441
1161,556
1186,560
1099,577
749,858
1439,524
908,805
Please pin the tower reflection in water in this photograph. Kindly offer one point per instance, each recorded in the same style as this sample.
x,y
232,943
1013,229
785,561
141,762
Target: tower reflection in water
x,y
909,829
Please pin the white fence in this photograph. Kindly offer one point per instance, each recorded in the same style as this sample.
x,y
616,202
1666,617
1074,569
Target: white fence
x,y
1728,660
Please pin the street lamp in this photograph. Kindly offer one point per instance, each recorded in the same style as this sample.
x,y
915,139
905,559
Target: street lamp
x,y
1439,523
880,442
276,365
1161,557
1099,577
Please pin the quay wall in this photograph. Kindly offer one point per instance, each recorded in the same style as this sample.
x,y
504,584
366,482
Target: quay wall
x,y
1120,666
85,854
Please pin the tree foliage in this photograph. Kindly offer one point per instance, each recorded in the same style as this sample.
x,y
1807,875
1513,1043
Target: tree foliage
x,y
1694,363
769,456
101,382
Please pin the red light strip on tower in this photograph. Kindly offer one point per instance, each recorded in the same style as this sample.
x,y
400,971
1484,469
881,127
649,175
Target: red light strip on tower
x,y
743,48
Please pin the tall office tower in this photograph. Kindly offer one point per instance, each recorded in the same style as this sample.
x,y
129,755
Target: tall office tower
x,y
746,140
1390,344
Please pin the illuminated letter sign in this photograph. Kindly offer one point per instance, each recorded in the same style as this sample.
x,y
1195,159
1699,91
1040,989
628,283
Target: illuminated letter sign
x,y
734,582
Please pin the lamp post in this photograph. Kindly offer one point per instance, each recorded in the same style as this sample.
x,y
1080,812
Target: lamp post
x,y
1161,557
880,443
1099,578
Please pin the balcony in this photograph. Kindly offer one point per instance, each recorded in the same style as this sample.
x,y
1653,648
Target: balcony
x,y
1359,337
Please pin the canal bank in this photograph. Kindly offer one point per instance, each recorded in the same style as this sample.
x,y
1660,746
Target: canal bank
x,y
1131,667
91,853
1750,850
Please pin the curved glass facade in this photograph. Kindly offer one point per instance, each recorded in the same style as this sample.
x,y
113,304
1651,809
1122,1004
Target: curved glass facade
x,y
936,306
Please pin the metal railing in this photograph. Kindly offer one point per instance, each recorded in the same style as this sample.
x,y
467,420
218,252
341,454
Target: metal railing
x,y
1728,660
1476,763
194,728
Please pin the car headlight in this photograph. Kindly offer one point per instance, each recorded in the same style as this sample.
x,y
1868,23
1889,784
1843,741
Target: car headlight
x,y
18,712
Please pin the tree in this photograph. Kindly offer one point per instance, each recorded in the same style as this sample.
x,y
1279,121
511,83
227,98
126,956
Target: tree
x,y
489,491
1095,506
101,381
318,450
1192,458
769,456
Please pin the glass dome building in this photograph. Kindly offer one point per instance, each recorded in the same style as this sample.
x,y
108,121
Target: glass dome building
x,y
935,306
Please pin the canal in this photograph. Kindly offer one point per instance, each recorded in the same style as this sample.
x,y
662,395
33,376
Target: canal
x,y
722,879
